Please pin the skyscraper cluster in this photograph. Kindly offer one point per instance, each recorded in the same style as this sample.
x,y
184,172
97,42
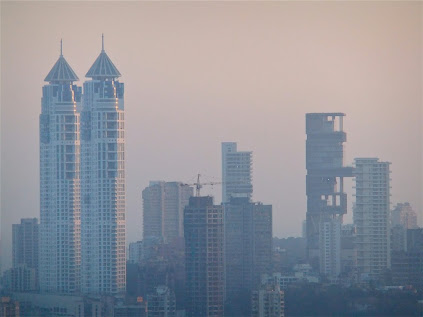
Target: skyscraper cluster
x,y
196,256
82,181
227,247
363,251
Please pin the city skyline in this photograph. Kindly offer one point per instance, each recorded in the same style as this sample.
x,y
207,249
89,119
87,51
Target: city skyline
x,y
164,100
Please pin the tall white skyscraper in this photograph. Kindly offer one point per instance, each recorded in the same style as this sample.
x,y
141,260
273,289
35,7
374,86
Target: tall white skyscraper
x,y
103,267
236,172
371,217
59,182
163,209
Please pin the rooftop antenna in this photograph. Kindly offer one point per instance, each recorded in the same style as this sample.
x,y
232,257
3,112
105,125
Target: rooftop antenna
x,y
61,47
102,42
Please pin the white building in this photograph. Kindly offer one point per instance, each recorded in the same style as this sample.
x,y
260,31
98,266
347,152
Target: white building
x,y
371,217
236,172
103,260
59,232
330,247
163,209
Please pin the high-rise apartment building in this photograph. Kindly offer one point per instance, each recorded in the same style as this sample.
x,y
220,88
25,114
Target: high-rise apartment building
x,y
25,243
326,198
59,234
103,260
163,206
203,226
236,172
404,215
248,249
330,247
25,253
371,217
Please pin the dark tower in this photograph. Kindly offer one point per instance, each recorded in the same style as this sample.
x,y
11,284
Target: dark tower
x,y
325,174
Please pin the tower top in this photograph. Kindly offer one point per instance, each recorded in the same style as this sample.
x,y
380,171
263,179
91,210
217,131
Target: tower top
x,y
61,71
103,67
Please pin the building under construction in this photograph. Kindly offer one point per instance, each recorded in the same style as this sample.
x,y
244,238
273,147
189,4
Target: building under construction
x,y
326,199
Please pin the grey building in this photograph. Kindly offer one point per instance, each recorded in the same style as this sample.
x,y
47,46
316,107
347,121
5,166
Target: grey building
x,y
248,249
348,250
371,217
404,215
20,278
236,172
407,265
25,243
203,226
326,198
163,208
398,238
162,303
9,307
136,252
268,301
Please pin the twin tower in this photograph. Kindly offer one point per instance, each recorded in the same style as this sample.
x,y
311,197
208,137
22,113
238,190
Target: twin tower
x,y
82,181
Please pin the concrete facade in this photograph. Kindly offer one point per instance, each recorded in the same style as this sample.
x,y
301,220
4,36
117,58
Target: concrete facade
x,y
248,245
236,172
371,217
330,247
163,208
204,258
326,198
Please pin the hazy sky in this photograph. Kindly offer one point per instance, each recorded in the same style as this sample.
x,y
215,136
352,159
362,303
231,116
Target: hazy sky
x,y
199,73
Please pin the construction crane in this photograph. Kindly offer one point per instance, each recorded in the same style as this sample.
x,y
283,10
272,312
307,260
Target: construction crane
x,y
199,185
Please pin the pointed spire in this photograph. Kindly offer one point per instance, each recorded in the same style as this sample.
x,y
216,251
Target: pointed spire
x,y
61,71
103,67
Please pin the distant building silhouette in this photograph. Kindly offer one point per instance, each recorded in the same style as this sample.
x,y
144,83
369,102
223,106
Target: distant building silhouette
x,y
163,209
59,238
248,249
25,243
236,172
371,217
268,301
203,226
136,252
9,307
162,303
326,198
103,249
398,238
348,249
404,215
407,265
23,276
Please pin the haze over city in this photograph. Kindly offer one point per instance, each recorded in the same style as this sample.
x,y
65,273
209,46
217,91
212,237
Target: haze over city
x,y
198,74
